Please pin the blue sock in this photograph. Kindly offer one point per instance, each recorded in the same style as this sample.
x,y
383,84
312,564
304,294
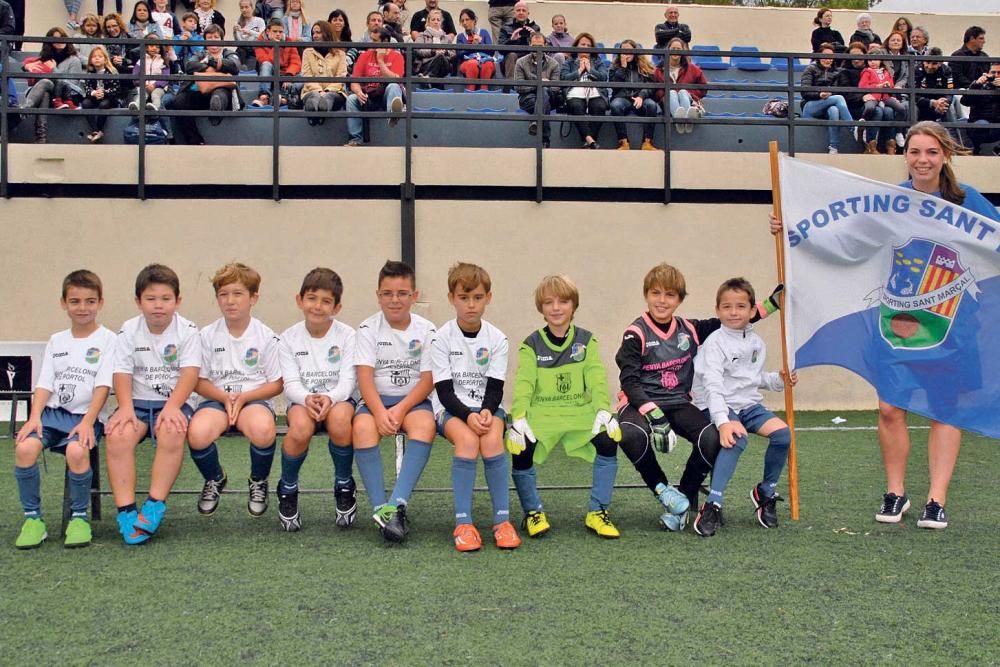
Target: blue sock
x,y
290,466
495,468
414,461
29,487
261,459
603,482
343,463
725,467
526,483
774,459
207,462
463,480
79,492
370,467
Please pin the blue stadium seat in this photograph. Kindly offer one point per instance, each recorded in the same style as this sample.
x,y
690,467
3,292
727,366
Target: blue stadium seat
x,y
604,56
750,62
709,62
781,64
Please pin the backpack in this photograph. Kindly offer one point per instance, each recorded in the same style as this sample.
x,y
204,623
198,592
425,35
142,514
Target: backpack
x,y
777,108
155,133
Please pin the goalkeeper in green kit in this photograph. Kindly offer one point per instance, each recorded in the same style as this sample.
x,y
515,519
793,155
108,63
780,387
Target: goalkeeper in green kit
x,y
561,396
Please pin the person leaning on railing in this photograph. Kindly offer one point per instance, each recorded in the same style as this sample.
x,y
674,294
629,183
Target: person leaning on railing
x,y
527,71
823,73
323,61
586,99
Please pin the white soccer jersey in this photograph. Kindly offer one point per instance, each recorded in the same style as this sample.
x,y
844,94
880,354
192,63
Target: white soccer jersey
x,y
468,362
241,364
155,360
73,367
398,357
318,365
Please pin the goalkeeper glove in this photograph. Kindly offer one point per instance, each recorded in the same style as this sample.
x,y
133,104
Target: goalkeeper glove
x,y
663,438
605,420
773,302
519,435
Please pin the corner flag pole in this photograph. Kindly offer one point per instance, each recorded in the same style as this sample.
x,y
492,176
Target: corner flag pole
x,y
779,247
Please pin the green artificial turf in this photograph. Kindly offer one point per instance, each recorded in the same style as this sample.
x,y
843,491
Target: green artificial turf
x,y
832,588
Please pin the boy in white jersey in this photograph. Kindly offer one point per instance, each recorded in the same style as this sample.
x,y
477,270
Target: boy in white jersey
x,y
240,374
394,376
157,356
317,364
65,413
469,362
729,370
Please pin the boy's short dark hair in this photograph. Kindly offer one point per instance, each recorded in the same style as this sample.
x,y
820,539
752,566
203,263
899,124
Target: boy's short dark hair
x,y
214,29
392,269
157,274
275,22
468,277
736,285
936,51
188,15
972,32
84,279
323,278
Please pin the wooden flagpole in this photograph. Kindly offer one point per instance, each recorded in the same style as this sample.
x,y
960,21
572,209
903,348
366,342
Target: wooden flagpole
x,y
779,247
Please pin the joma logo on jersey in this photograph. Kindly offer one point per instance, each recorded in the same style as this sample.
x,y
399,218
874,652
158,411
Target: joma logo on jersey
x,y
56,355
564,382
252,357
170,353
302,353
653,343
93,355
219,349
414,347
542,358
482,356
384,343
333,355
142,348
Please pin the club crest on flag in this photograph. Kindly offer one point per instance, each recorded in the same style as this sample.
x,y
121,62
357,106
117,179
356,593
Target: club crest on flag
x,y
925,287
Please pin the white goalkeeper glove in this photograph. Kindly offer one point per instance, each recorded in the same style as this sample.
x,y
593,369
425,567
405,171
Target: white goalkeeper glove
x,y
605,420
519,435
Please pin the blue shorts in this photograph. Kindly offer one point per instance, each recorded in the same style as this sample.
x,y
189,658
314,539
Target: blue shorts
x,y
321,425
56,425
389,401
215,405
752,418
445,416
149,411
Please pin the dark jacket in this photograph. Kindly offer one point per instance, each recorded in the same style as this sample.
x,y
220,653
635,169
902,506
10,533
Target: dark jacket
x,y
940,79
984,107
859,36
112,88
7,23
821,35
848,77
571,72
526,69
523,38
967,72
814,75
628,75
664,32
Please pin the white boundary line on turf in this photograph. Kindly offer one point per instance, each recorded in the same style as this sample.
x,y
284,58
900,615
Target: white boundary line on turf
x,y
852,428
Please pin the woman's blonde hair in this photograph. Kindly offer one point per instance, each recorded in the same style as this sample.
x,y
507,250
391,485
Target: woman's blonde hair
x,y
110,66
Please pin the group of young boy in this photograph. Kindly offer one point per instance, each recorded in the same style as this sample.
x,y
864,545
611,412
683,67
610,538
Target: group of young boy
x,y
398,374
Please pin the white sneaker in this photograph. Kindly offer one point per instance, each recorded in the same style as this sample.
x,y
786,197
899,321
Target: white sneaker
x,y
900,140
681,128
396,106
832,150
693,112
133,106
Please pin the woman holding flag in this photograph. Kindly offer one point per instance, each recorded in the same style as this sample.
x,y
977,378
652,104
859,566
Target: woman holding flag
x,y
927,150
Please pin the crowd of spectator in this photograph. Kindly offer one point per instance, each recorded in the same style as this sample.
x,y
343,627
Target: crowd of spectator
x,y
638,79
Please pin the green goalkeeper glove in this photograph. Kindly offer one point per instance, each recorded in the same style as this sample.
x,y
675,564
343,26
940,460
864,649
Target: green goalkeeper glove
x,y
662,437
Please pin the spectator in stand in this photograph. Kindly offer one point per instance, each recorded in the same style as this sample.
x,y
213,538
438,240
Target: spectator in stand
x,y
671,28
14,119
527,71
102,94
419,21
142,23
967,72
403,14
341,27
208,15
637,98
8,25
392,20
822,73
375,24
501,11
248,28
385,95
434,62
475,64
879,75
586,99
166,19
270,9
155,66
12,23
72,9
322,61
682,103
214,94
933,74
919,40
904,27
90,27
290,64
850,77
824,33
984,109
192,35
54,58
517,32
864,33
560,36
114,29
896,45
119,7
295,22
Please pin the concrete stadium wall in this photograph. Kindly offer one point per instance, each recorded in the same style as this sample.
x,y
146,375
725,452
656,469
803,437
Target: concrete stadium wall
x,y
767,28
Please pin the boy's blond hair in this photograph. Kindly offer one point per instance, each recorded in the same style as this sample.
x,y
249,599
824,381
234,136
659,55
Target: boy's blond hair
x,y
665,277
468,277
236,272
559,286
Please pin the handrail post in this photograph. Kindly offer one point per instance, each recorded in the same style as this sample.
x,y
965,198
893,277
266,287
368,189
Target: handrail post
x,y
790,118
4,118
276,123
541,110
667,126
141,162
407,199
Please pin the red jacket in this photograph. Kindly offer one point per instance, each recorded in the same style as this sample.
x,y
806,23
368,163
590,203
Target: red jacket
x,y
291,64
690,74
873,78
